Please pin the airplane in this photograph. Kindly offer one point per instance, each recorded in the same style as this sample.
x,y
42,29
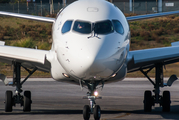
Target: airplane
x,y
91,41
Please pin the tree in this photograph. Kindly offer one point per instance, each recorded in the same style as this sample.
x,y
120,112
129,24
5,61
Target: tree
x,y
16,1
4,1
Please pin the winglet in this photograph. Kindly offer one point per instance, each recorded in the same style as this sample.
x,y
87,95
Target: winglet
x,y
147,16
171,80
175,43
4,79
30,17
2,43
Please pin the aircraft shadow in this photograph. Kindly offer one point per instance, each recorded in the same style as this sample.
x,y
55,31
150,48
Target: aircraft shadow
x,y
39,111
174,114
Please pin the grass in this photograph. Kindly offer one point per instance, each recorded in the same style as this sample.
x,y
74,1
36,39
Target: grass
x,y
8,71
15,22
150,33
24,33
161,31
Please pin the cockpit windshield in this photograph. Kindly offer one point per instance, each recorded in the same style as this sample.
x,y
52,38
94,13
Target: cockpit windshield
x,y
100,27
82,27
103,27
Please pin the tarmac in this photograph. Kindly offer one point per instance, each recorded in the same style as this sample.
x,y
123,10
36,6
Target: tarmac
x,y
52,100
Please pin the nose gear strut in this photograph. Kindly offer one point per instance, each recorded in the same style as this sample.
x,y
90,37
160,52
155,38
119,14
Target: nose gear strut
x,y
93,108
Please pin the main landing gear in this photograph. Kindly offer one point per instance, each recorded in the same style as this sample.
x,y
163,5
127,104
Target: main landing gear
x,y
93,108
10,99
164,100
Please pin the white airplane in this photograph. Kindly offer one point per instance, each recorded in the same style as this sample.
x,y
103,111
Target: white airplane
x,y
91,40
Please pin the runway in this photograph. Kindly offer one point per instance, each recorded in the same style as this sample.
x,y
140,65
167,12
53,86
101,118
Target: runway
x,y
53,100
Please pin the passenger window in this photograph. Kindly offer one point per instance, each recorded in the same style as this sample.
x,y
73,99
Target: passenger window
x,y
82,27
103,27
118,27
67,26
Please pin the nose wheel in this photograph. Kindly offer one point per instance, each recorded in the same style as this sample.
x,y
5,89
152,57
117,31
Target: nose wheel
x,y
97,112
87,112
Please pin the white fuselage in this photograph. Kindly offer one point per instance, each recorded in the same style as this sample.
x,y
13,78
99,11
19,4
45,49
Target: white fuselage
x,y
90,42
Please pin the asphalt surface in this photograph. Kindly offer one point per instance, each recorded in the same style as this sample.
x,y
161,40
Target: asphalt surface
x,y
61,101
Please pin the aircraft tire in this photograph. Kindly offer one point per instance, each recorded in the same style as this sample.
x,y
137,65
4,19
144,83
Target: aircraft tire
x,y
86,112
166,101
27,101
97,112
148,101
8,101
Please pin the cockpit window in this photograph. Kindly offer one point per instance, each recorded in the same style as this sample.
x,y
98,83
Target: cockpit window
x,y
67,26
118,26
103,27
82,27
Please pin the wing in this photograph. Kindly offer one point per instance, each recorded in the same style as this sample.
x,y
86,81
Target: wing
x,y
141,59
30,17
140,17
29,58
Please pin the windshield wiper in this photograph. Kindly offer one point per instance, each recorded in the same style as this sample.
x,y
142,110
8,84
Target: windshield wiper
x,y
93,34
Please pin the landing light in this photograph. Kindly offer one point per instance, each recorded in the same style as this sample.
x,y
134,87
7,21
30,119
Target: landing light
x,y
113,75
95,93
67,76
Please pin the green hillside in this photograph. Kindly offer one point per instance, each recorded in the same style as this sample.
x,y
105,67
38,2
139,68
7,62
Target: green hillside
x,y
151,33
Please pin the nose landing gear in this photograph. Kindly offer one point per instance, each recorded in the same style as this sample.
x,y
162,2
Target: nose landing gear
x,y
93,108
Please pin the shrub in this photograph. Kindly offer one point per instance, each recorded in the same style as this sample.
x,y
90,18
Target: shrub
x,y
143,26
52,15
176,19
1,36
33,34
130,14
160,39
176,30
37,26
154,36
158,31
44,46
145,35
151,27
134,33
28,43
49,32
27,28
171,16
22,26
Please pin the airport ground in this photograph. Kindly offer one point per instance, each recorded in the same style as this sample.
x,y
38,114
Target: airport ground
x,y
61,101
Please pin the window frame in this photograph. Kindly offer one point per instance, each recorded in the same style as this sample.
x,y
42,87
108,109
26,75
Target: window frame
x,y
115,26
104,21
81,22
70,26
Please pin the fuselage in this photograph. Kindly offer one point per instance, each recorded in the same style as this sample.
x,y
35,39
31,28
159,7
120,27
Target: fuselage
x,y
90,41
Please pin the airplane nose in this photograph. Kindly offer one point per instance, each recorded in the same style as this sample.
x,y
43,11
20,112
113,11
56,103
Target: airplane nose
x,y
89,62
